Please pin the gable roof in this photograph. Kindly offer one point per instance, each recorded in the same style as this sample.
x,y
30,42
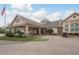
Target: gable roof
x,y
36,24
74,13
54,23
28,21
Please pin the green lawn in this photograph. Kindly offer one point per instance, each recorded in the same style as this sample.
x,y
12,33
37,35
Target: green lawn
x,y
28,38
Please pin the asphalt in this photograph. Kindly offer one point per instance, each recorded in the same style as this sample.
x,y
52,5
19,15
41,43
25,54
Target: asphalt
x,y
55,45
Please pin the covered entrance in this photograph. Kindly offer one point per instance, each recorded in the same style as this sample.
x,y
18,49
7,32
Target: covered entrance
x,y
29,30
59,30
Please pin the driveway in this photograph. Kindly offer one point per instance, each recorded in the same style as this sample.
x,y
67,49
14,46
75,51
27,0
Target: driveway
x,y
56,45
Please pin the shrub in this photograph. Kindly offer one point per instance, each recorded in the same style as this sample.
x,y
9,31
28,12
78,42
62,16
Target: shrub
x,y
50,31
9,34
19,34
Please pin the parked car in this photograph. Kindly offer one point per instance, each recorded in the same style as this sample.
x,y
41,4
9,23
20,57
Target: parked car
x,y
65,34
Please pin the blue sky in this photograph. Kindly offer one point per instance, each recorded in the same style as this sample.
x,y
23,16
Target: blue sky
x,y
50,7
37,12
57,7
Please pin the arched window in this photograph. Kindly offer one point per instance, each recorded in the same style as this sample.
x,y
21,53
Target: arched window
x,y
75,27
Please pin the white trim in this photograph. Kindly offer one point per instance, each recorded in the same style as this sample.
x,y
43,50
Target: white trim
x,y
26,29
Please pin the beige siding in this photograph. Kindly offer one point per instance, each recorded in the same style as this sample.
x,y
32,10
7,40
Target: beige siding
x,y
69,22
18,22
72,19
55,30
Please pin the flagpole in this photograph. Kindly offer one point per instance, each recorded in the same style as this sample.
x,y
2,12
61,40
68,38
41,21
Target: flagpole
x,y
3,13
5,20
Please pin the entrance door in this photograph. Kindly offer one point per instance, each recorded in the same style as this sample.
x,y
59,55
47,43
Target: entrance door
x,y
59,31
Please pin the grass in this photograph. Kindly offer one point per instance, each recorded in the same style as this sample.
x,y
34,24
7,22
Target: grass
x,y
28,38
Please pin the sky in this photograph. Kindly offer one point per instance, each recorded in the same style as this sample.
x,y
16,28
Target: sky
x,y
38,12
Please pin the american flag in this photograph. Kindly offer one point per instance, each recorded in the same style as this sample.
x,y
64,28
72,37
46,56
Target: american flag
x,y
3,11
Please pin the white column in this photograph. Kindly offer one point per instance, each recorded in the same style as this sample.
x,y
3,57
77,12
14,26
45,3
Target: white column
x,y
13,30
39,30
26,29
69,28
63,27
44,31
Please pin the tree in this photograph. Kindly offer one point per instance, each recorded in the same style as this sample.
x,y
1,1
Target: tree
x,y
1,30
50,31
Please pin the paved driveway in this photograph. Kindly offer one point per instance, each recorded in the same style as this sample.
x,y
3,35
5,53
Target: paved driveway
x,y
55,45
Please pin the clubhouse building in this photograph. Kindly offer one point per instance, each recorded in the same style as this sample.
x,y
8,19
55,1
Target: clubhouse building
x,y
31,27
28,26
71,24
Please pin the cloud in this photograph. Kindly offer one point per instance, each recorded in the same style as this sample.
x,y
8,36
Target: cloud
x,y
26,10
21,7
15,11
9,17
69,12
66,13
54,16
59,15
7,12
37,15
40,14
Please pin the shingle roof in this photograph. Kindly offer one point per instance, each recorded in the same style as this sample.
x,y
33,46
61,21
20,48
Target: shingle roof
x,y
36,24
74,13
29,21
54,23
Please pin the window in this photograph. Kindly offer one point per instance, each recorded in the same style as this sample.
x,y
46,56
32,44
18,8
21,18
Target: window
x,y
74,16
72,25
66,27
75,27
76,24
72,29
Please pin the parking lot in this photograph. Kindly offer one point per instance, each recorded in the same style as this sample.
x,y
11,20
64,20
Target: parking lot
x,y
55,45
